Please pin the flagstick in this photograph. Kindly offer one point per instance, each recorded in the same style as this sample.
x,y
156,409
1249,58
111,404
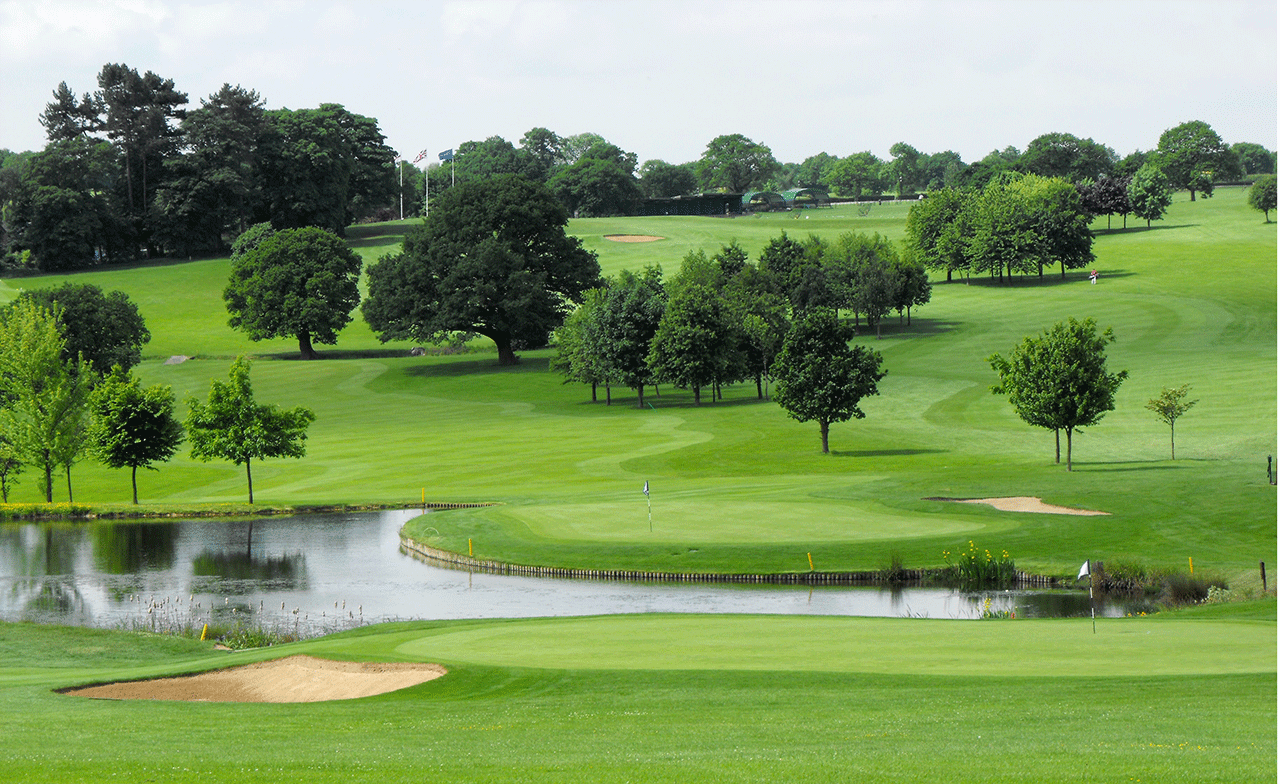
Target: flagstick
x,y
650,505
1092,613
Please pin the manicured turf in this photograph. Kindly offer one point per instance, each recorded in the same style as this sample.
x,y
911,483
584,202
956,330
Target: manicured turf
x,y
737,485
683,699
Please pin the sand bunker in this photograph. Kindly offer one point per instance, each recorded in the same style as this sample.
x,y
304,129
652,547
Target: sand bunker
x,y
632,238
294,679
1022,503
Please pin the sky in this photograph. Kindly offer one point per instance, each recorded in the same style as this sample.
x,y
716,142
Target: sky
x,y
662,79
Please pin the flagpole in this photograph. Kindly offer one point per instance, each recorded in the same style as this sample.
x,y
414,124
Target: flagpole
x,y
1086,571
401,170
649,504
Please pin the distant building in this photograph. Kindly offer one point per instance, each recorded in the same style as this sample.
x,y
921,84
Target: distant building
x,y
807,197
694,204
763,201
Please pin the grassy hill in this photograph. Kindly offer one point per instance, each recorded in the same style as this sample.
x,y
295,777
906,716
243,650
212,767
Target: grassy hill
x,y
737,485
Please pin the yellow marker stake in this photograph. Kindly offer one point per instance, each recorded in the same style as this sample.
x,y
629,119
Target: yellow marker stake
x,y
811,562
1190,565
203,632
469,551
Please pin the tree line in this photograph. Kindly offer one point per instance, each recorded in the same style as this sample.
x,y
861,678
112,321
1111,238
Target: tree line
x,y
56,408
129,171
723,320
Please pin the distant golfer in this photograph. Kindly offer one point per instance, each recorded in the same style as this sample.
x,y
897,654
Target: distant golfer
x,y
1093,277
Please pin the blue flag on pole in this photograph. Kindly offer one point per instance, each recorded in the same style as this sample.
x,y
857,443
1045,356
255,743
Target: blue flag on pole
x,y
447,155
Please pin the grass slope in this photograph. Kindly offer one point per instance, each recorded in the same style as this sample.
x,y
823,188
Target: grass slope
x,y
737,485
1188,697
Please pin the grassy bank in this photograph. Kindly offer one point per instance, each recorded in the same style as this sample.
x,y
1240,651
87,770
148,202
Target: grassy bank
x,y
1183,697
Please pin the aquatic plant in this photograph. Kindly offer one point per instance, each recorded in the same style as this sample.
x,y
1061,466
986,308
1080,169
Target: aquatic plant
x,y
974,568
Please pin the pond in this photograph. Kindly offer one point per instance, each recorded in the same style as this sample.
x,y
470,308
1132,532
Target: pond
x,y
318,573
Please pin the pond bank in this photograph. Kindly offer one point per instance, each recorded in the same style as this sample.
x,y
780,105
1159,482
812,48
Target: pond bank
x,y
907,576
85,512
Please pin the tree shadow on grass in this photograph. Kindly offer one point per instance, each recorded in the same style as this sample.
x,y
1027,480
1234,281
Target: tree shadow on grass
x,y
480,365
890,328
886,452
1050,279
1140,229
1078,466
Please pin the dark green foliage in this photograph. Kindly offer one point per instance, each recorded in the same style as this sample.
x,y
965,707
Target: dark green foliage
x,y
735,163
936,228
1193,156
233,426
132,427
1262,195
298,282
820,377
62,205
1149,194
579,353
1107,196
494,157
104,329
251,238
1254,158
491,258
659,179
623,331
698,340
213,191
1069,157
600,183
1059,380
325,167
855,175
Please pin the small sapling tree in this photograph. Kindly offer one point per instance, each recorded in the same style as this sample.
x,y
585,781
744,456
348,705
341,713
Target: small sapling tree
x,y
132,427
1169,406
233,426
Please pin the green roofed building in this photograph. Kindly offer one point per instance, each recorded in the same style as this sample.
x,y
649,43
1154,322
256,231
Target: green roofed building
x,y
762,201
694,204
807,197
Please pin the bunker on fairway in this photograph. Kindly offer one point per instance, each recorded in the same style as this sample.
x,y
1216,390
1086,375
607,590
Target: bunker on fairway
x,y
293,679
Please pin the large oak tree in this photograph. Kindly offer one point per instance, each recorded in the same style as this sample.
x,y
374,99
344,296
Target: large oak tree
x,y
492,258
297,283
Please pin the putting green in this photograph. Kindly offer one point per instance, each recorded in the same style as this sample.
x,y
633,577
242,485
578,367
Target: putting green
x,y
1137,647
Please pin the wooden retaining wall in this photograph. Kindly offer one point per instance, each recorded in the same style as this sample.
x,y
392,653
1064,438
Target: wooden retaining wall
x,y
451,559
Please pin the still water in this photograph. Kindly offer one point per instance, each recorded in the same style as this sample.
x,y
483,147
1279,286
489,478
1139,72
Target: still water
x,y
319,573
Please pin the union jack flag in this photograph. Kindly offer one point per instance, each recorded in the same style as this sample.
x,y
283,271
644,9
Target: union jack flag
x,y
421,155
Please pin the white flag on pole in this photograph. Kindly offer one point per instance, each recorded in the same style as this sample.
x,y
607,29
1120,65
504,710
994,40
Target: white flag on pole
x,y
1084,571
646,487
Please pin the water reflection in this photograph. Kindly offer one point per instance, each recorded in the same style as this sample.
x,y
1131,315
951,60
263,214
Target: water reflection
x,y
285,571
327,572
128,548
